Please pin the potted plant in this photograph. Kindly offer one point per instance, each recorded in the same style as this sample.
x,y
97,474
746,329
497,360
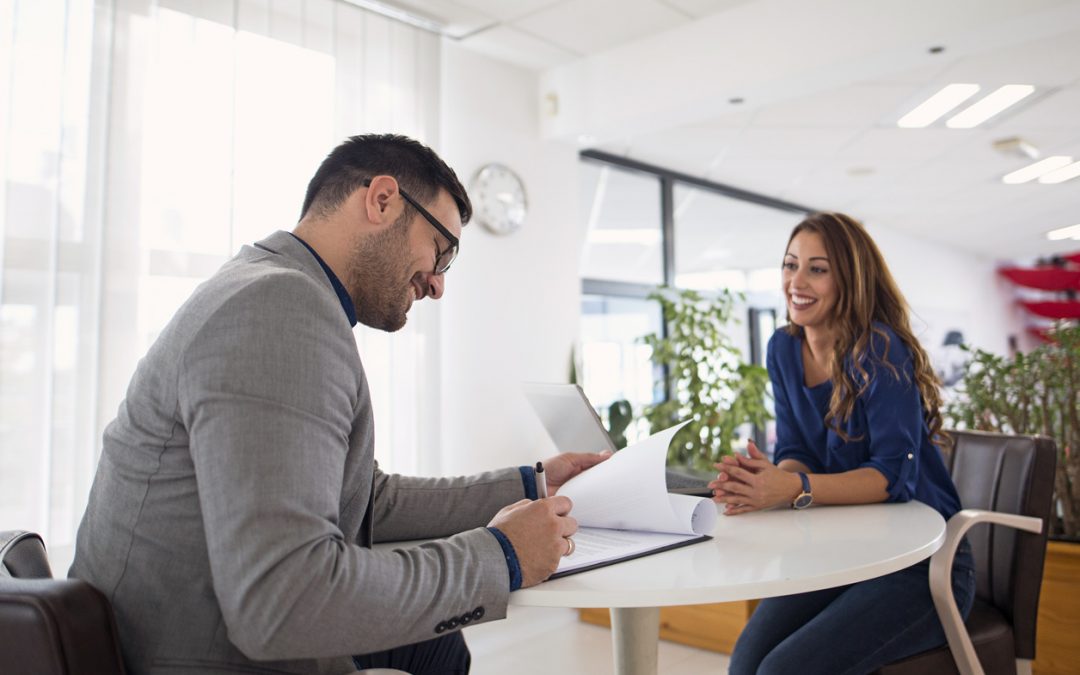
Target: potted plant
x,y
707,380
1033,393
1039,393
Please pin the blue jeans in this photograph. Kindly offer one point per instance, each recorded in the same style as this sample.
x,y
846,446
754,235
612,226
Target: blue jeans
x,y
851,629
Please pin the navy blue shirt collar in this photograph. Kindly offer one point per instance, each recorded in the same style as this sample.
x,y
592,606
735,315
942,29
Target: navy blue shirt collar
x,y
339,288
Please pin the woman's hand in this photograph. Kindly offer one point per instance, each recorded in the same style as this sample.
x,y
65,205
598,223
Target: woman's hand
x,y
752,483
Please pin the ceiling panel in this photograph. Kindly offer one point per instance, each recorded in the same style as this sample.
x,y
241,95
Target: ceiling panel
x,y
505,10
904,144
590,26
700,8
852,107
1045,63
791,143
514,46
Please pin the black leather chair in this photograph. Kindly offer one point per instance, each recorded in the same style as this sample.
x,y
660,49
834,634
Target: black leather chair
x,y
51,626
1001,479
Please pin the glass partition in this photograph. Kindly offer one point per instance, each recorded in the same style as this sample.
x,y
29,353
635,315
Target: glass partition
x,y
622,213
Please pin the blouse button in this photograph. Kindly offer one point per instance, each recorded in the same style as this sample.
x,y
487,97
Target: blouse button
x,y
910,456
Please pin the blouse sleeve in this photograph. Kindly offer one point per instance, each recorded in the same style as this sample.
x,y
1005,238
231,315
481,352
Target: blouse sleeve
x,y
894,418
788,444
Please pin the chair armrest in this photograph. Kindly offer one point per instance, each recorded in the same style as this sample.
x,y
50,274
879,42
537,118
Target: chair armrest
x,y
941,579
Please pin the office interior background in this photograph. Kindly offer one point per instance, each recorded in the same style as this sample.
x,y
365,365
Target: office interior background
x,y
142,142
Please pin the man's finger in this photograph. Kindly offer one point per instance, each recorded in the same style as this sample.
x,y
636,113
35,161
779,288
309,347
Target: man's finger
x,y
560,504
569,525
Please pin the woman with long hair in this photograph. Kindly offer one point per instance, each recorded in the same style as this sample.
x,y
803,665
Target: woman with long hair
x,y
857,422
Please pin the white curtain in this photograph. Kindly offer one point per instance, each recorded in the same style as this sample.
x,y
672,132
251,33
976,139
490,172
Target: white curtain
x,y
141,144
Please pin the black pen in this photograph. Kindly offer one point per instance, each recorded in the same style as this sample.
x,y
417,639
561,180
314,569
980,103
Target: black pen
x,y
541,481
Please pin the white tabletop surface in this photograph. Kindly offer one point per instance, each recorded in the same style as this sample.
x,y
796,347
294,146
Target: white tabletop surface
x,y
759,555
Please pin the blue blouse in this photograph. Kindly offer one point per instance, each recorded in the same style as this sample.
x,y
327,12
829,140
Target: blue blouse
x,y
887,426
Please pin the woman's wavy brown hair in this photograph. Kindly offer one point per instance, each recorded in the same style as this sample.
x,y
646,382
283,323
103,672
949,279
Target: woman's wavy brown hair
x,y
866,293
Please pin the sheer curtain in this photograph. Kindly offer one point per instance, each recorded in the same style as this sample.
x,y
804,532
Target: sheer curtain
x,y
141,144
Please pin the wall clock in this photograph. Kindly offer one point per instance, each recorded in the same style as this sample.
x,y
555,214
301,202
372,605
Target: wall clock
x,y
498,197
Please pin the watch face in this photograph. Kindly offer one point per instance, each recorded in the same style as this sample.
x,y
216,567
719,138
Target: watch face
x,y
498,197
802,501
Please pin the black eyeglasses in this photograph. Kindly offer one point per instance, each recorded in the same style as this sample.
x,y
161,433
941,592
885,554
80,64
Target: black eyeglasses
x,y
445,258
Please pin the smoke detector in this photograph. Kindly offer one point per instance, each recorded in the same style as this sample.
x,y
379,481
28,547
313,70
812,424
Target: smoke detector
x,y
1014,146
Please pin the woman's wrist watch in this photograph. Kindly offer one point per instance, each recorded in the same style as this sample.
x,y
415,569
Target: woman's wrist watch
x,y
804,498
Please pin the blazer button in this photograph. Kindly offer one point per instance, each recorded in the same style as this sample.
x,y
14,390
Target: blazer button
x,y
453,623
441,628
478,613
466,619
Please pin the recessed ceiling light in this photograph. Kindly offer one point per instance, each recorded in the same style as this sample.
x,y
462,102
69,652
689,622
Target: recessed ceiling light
x,y
1033,171
937,105
1061,175
995,102
1071,232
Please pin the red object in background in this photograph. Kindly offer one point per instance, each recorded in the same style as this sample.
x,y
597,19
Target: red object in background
x,y
1066,309
1075,257
1044,278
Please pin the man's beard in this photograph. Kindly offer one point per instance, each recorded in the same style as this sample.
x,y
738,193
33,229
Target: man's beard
x,y
379,279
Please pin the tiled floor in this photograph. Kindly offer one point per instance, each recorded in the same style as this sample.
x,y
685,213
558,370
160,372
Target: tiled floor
x,y
539,641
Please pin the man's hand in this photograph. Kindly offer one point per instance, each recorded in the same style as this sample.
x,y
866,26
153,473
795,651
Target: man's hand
x,y
752,483
538,531
561,468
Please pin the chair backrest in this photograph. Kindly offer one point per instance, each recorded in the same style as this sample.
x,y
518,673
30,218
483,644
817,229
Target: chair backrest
x,y
1008,474
51,626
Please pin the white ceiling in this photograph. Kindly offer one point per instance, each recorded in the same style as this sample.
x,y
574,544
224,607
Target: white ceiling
x,y
823,83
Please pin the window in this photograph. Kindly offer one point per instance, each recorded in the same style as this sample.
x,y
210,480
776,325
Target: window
x,y
647,227
141,144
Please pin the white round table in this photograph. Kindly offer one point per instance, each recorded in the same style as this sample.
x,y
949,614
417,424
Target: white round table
x,y
754,555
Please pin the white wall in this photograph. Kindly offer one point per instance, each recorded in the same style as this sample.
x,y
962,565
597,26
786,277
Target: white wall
x,y
950,289
511,309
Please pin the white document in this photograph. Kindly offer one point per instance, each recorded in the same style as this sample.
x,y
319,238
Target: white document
x,y
624,510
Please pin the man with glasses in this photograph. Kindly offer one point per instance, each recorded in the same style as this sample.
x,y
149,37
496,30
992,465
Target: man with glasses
x,y
237,497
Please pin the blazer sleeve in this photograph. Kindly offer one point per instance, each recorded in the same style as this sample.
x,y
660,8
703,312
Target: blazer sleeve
x,y
894,418
408,507
269,407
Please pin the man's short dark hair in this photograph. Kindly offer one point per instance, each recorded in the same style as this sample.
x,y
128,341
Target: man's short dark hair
x,y
418,170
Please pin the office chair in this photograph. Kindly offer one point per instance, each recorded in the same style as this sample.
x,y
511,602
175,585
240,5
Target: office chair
x,y
1006,481
51,626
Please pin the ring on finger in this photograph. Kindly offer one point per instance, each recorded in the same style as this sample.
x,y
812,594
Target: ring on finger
x,y
570,546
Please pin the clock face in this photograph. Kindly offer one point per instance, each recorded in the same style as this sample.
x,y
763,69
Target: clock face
x,y
498,197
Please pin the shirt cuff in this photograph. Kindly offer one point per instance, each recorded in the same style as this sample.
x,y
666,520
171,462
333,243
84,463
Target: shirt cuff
x,y
512,564
528,481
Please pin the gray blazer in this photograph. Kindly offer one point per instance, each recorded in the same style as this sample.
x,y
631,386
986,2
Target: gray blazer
x,y
237,495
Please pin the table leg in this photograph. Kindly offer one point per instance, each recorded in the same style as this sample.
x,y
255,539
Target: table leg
x,y
635,634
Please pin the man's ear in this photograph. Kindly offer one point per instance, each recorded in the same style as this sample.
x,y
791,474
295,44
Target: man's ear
x,y
379,201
